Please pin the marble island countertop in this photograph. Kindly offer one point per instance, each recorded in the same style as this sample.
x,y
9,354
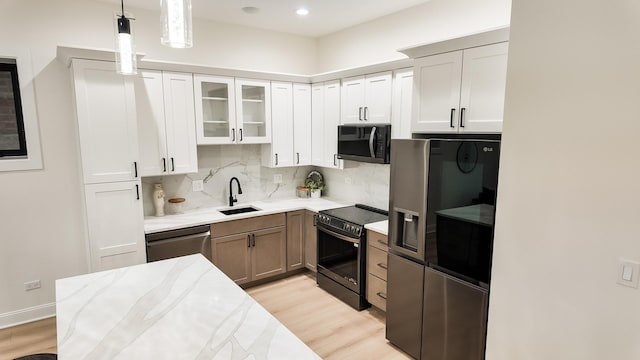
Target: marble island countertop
x,y
181,308
212,215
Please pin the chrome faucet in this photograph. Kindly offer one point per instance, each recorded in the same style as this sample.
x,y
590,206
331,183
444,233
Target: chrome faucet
x,y
232,198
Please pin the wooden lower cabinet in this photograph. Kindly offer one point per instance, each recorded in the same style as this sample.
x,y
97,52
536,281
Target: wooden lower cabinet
x,y
310,241
295,239
377,253
268,253
250,249
231,255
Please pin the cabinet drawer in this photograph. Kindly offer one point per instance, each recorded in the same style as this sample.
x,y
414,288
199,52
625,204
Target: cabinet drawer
x,y
247,225
377,292
378,240
377,262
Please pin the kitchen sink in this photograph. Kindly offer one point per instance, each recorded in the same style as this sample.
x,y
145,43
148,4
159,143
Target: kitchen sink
x,y
240,210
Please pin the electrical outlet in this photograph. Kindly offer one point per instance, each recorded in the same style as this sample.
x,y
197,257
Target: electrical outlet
x,y
197,185
628,273
347,180
277,179
32,285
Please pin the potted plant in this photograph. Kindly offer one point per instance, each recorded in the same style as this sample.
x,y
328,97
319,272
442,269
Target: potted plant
x,y
315,185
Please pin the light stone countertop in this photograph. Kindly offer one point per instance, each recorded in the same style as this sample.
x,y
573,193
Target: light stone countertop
x,y
181,308
381,227
203,216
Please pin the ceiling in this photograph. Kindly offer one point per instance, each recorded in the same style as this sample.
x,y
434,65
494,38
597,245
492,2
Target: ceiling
x,y
325,16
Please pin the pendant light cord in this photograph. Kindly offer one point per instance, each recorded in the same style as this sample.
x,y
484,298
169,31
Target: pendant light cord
x,y
122,3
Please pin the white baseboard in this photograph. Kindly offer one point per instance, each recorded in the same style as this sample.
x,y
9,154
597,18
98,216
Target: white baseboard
x,y
27,315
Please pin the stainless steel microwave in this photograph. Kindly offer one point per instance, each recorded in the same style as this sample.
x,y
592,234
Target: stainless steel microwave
x,y
365,142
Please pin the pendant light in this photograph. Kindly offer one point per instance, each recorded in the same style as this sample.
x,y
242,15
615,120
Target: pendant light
x,y
175,16
125,51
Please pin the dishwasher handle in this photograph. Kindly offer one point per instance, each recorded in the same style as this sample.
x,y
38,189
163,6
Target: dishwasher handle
x,y
206,235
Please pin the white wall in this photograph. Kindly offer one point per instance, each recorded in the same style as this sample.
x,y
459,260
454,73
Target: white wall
x,y
568,201
377,40
41,227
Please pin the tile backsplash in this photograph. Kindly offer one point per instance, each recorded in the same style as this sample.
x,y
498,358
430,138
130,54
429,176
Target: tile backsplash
x,y
217,164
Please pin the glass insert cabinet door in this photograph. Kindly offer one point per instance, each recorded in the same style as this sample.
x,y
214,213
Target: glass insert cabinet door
x,y
215,109
253,111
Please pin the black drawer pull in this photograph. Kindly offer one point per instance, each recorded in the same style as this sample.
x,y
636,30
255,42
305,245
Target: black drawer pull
x,y
382,295
383,242
382,265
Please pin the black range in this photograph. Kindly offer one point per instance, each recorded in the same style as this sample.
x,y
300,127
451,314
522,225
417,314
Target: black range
x,y
342,251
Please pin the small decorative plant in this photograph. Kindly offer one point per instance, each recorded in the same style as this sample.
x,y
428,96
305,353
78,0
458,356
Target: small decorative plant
x,y
314,184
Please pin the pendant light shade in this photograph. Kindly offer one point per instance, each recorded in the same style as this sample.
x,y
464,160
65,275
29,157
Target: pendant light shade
x,y
176,23
125,51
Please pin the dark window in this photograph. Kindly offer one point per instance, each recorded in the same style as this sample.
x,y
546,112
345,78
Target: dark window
x,y
12,139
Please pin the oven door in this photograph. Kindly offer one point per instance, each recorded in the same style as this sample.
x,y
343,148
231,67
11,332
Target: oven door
x,y
339,258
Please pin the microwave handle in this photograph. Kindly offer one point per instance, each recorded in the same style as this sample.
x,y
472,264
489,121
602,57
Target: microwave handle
x,y
372,137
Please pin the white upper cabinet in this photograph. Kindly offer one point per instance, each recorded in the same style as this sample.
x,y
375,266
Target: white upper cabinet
x,y
253,111
367,99
302,124
166,123
280,152
215,109
401,107
115,224
106,112
331,121
484,78
461,91
317,124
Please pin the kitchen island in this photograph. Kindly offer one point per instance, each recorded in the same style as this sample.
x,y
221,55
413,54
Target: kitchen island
x,y
181,308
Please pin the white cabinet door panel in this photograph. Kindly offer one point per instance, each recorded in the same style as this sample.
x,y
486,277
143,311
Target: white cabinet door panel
x,y
180,123
302,124
378,98
402,100
115,224
353,100
282,126
484,76
106,112
317,124
151,127
331,122
215,109
253,111
437,92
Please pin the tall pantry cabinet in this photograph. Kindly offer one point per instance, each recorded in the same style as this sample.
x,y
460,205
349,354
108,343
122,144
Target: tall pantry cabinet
x,y
107,132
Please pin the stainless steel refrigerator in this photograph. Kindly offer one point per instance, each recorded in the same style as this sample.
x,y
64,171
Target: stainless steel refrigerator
x,y
441,219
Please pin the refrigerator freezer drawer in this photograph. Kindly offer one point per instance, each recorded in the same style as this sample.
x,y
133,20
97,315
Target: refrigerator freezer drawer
x,y
454,318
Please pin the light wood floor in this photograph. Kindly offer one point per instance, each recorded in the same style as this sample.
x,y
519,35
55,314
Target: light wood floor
x,y
328,326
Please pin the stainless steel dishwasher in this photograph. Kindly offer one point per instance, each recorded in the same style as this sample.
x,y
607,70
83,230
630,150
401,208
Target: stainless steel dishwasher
x,y
180,242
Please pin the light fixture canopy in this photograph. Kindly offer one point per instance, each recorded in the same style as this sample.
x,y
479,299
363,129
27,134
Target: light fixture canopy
x,y
175,16
126,63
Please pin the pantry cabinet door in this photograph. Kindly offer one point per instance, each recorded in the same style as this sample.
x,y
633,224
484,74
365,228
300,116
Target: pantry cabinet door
x,y
106,113
115,224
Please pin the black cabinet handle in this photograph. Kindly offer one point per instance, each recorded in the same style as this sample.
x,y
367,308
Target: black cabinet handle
x,y
298,158
253,240
276,159
164,164
315,219
382,265
462,117
360,113
335,159
382,295
248,240
233,135
137,192
383,242
240,134
173,165
135,169
453,111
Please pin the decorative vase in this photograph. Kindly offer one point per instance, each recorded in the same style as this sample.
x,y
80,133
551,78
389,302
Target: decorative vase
x,y
158,199
315,193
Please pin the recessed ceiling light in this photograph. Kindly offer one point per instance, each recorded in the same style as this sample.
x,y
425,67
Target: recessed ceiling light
x,y
250,9
302,12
